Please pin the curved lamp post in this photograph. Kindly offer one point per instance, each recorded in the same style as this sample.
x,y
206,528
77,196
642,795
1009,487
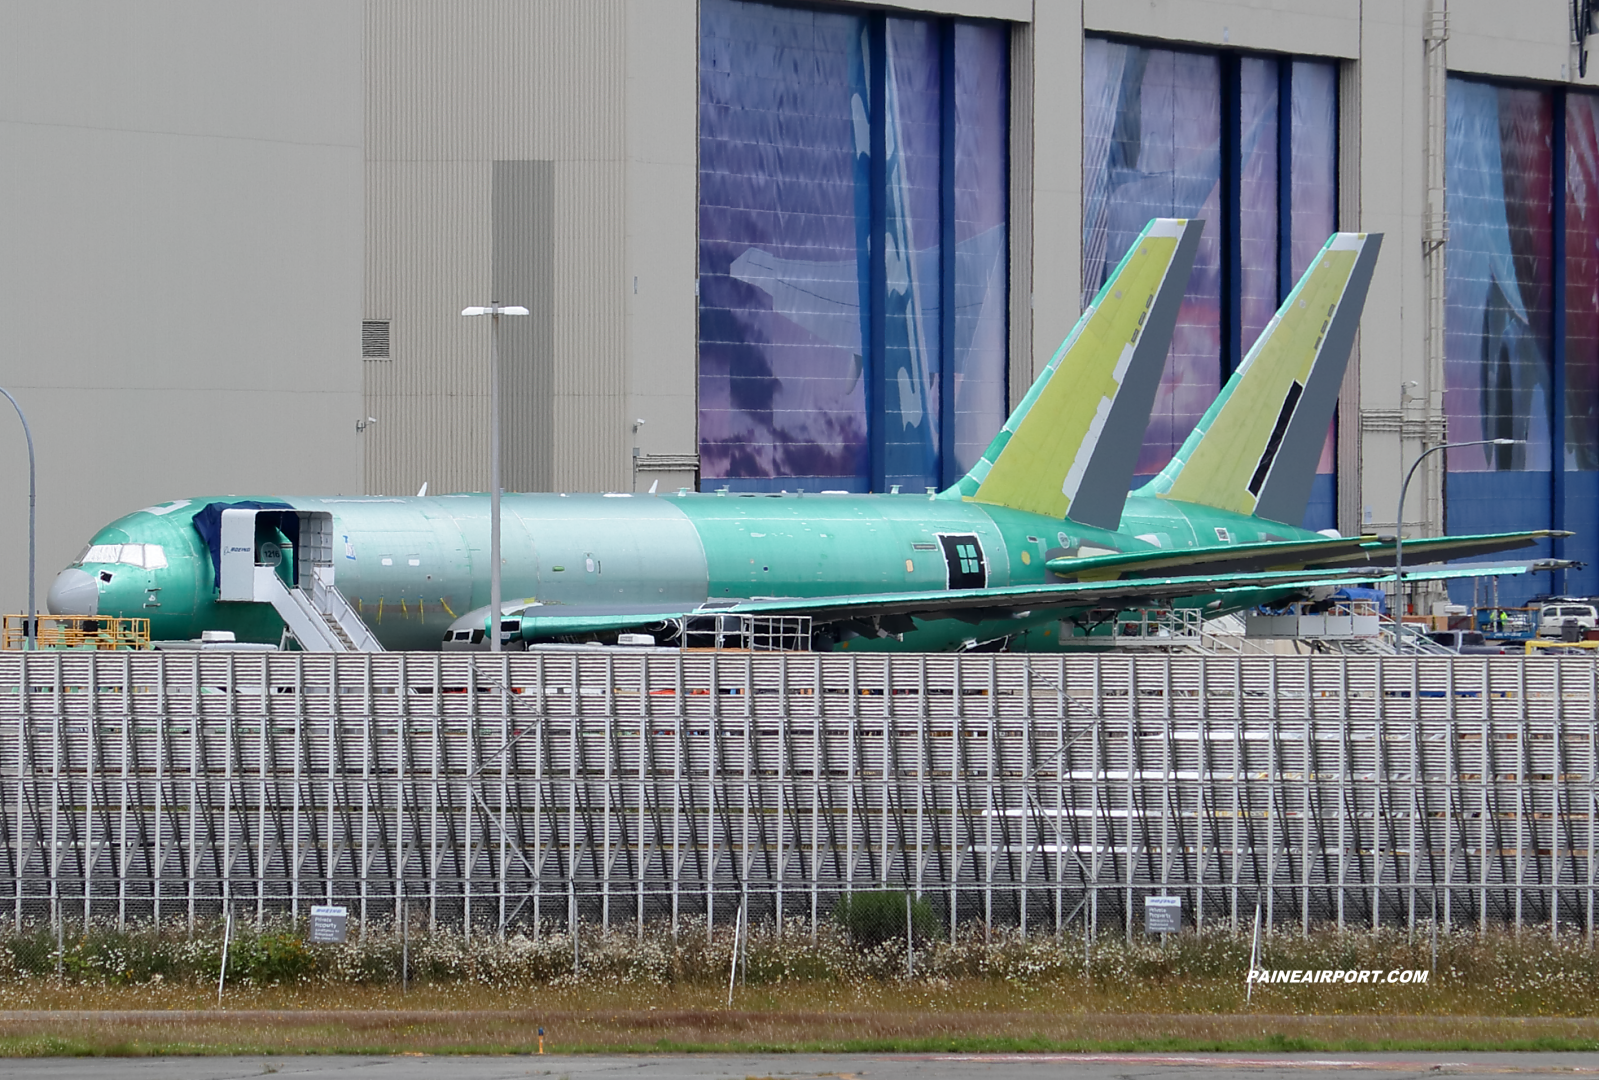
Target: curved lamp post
x,y
495,309
1399,518
33,614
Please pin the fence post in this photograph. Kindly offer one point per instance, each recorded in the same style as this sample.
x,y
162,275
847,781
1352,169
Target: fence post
x,y
910,940
227,933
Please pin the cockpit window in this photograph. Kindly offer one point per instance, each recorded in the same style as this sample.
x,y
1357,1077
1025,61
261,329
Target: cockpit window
x,y
149,556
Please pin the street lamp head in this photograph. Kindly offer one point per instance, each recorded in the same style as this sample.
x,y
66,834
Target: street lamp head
x,y
1508,442
495,309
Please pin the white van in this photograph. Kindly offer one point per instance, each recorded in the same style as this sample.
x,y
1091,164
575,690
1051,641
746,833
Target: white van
x,y
1552,617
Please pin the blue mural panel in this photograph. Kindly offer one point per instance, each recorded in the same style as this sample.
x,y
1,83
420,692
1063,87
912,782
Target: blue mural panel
x,y
982,252
1257,197
784,208
1152,148
1582,518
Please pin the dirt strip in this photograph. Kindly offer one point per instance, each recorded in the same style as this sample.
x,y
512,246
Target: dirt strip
x,y
288,1031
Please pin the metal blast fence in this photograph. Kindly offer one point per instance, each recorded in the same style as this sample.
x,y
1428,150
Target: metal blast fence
x,y
1042,792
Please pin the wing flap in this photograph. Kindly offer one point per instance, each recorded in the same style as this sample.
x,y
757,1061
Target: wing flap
x,y
1321,553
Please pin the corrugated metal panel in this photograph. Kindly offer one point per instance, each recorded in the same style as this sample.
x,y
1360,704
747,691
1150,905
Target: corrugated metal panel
x,y
524,273
453,86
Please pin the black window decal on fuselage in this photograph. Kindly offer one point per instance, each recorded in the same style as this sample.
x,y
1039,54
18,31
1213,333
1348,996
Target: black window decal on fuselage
x,y
963,559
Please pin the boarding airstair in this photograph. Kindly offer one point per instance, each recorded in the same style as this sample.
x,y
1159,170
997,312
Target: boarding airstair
x,y
256,569
1407,640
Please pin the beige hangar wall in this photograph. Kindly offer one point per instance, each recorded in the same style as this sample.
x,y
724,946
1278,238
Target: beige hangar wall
x,y
599,98
180,208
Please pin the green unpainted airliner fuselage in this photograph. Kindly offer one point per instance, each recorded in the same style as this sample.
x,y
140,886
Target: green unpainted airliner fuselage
x,y
992,557
413,565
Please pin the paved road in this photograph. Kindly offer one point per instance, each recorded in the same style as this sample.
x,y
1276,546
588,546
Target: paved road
x,y
806,1067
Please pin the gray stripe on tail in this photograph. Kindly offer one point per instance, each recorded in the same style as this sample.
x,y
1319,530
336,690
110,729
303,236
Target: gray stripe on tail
x,y
1287,488
1103,491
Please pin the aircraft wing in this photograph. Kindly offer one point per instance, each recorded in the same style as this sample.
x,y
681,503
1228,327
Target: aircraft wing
x,y
1321,553
894,610
975,605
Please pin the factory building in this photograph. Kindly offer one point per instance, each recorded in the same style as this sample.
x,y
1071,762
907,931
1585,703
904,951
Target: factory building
x,y
772,246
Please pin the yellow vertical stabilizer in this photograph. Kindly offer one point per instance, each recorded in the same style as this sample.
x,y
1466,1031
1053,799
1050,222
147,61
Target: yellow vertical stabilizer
x,y
1256,448
1070,448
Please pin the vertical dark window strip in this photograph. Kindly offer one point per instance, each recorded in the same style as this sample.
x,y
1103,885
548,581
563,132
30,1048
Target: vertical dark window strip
x,y
1557,333
1285,178
1232,258
876,369
1338,146
948,467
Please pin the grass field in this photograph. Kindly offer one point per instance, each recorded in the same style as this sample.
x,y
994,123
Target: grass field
x,y
153,991
970,1019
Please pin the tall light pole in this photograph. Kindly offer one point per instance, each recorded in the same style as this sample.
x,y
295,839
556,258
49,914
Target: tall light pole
x,y
1399,518
494,310
33,612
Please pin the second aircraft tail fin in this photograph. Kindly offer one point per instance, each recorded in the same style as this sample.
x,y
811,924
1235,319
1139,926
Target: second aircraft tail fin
x,y
1255,450
1071,446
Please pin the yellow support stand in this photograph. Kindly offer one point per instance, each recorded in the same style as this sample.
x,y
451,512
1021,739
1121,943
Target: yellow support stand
x,y
77,633
1534,644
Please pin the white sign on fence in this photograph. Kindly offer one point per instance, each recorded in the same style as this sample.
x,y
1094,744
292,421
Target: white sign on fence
x,y
1163,914
327,924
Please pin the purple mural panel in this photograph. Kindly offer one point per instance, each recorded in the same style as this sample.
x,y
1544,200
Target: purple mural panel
x,y
1582,282
1152,148
1257,197
783,156
795,388
911,346
982,254
1313,151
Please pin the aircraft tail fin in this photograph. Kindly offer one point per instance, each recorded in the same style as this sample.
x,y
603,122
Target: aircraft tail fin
x,y
1255,450
1071,446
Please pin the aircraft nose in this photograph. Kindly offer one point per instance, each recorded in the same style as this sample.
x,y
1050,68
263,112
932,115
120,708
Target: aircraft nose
x,y
73,592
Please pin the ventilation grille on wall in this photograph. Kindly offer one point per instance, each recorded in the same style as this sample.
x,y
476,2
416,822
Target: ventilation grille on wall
x,y
375,340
